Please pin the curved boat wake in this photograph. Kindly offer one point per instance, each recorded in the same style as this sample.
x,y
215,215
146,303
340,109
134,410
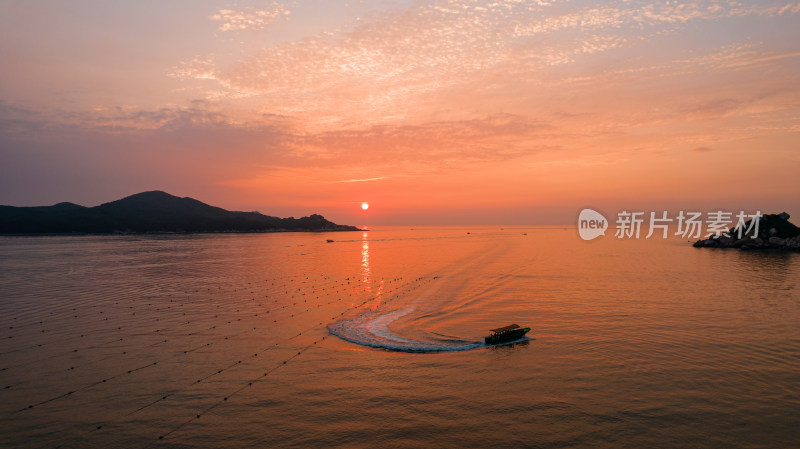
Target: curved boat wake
x,y
372,329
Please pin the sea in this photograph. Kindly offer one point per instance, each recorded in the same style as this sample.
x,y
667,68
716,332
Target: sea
x,y
375,339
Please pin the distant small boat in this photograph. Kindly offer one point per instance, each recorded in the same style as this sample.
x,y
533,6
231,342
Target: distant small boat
x,y
506,333
330,241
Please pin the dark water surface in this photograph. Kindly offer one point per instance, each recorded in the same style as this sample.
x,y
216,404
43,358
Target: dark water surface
x,y
375,340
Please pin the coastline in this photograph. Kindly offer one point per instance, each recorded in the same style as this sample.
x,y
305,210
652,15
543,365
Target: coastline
x,y
135,233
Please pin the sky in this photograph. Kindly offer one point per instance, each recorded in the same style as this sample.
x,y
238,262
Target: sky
x,y
433,112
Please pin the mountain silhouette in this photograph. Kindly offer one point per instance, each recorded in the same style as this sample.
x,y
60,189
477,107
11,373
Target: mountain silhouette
x,y
150,212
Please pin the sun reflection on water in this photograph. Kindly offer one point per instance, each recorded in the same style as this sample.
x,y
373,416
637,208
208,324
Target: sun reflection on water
x,y
366,275
365,272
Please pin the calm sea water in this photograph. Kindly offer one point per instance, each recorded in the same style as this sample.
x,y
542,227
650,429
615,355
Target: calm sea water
x,y
375,340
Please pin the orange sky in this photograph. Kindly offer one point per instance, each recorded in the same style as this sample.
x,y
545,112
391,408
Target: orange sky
x,y
434,112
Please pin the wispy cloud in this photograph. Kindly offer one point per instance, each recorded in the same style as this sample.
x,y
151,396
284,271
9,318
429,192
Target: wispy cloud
x,y
489,138
363,180
380,69
249,19
201,67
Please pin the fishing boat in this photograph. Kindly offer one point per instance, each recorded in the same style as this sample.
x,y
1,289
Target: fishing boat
x,y
506,333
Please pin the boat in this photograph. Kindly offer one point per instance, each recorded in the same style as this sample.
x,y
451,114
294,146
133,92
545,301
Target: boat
x,y
506,333
330,241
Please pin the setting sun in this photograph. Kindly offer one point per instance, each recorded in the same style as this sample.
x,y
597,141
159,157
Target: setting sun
x,y
364,206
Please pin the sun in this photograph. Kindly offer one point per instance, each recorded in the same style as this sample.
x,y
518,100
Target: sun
x,y
364,206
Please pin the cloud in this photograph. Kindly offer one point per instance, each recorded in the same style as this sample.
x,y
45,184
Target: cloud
x,y
458,79
125,151
701,150
249,19
737,56
363,180
383,68
200,67
792,8
714,108
490,138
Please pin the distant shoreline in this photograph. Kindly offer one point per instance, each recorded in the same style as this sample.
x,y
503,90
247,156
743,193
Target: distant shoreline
x,y
134,233
153,212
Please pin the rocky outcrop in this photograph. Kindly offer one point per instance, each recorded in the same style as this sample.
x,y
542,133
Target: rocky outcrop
x,y
774,232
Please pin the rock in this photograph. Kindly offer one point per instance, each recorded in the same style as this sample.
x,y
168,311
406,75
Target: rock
x,y
752,243
774,232
775,242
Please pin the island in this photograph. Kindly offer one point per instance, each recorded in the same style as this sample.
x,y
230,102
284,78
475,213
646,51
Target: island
x,y
775,232
151,212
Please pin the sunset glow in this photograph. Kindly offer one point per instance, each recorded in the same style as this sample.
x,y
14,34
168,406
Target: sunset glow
x,y
400,223
444,111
